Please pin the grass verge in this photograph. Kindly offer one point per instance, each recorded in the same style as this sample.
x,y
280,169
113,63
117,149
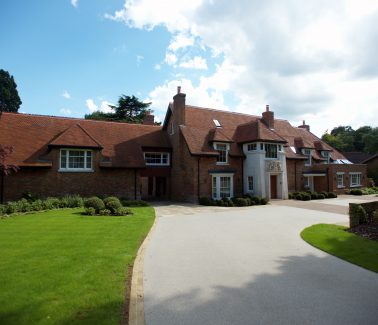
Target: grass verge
x,y
60,267
335,240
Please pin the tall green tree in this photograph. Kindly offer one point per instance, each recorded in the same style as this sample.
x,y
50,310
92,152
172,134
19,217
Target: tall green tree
x,y
129,109
9,99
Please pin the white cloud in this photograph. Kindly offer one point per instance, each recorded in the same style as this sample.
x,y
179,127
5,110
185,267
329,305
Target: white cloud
x,y
74,3
313,60
91,105
103,107
157,67
139,58
66,94
65,111
196,63
170,59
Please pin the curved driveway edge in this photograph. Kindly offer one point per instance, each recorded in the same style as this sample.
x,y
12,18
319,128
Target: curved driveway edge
x,y
250,266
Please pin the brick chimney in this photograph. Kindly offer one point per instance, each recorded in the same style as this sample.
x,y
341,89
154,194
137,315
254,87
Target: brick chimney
x,y
149,119
268,118
179,107
304,126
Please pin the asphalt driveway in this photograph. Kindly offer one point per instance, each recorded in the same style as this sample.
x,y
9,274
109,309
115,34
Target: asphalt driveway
x,y
249,266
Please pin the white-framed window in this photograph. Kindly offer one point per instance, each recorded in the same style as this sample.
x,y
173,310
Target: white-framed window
x,y
271,151
355,179
250,184
222,185
156,158
252,147
75,160
223,149
327,156
307,182
340,180
307,153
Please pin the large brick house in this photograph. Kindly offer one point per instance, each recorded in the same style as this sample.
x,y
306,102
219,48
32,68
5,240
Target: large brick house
x,y
196,152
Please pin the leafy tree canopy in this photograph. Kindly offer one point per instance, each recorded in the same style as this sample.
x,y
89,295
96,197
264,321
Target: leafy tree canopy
x,y
129,109
344,138
9,99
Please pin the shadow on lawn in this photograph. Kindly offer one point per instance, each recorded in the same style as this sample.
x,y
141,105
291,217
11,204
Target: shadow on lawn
x,y
306,290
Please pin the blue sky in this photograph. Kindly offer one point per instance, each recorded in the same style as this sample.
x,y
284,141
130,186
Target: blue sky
x,y
314,60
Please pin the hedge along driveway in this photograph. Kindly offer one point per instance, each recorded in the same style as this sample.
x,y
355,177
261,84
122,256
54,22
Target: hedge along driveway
x,y
59,267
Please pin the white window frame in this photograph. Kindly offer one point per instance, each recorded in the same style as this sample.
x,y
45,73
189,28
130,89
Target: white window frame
x,y
307,183
358,179
326,155
161,154
307,152
250,180
340,181
216,186
227,146
252,146
67,168
272,145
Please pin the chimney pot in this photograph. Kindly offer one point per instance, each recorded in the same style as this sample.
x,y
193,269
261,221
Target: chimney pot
x,y
267,108
178,89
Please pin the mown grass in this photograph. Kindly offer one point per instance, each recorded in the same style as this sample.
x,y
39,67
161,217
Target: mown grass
x,y
336,241
60,267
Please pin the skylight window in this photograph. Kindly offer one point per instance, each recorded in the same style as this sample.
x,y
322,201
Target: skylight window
x,y
217,124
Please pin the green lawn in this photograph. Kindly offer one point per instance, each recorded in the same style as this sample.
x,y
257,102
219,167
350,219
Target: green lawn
x,y
335,240
60,267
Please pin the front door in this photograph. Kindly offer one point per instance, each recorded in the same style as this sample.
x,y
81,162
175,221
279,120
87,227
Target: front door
x,y
273,186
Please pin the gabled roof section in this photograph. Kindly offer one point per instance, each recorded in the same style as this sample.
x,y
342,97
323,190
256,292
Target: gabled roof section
x,y
218,135
256,131
121,143
75,136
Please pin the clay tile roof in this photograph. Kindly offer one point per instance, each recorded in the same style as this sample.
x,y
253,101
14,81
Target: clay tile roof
x,y
357,157
218,134
120,143
75,136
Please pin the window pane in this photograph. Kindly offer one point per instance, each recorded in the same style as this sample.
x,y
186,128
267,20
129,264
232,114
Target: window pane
x,y
63,157
225,187
222,149
214,187
271,150
89,160
250,183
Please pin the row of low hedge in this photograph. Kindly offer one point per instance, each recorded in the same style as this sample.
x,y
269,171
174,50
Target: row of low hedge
x,y
363,191
93,206
307,196
235,201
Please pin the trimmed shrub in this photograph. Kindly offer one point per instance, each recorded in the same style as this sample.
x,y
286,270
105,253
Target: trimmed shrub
x,y
206,201
356,191
332,195
63,202
314,196
51,203
75,201
112,203
256,199
357,215
306,196
105,212
123,211
240,202
24,205
321,196
95,203
12,207
37,205
290,196
90,211
264,201
298,196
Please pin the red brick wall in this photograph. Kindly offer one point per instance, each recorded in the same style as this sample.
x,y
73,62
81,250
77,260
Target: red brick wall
x,y
49,182
294,169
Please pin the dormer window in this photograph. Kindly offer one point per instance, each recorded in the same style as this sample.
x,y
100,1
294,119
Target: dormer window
x,y
327,156
217,124
156,158
223,149
75,160
307,153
